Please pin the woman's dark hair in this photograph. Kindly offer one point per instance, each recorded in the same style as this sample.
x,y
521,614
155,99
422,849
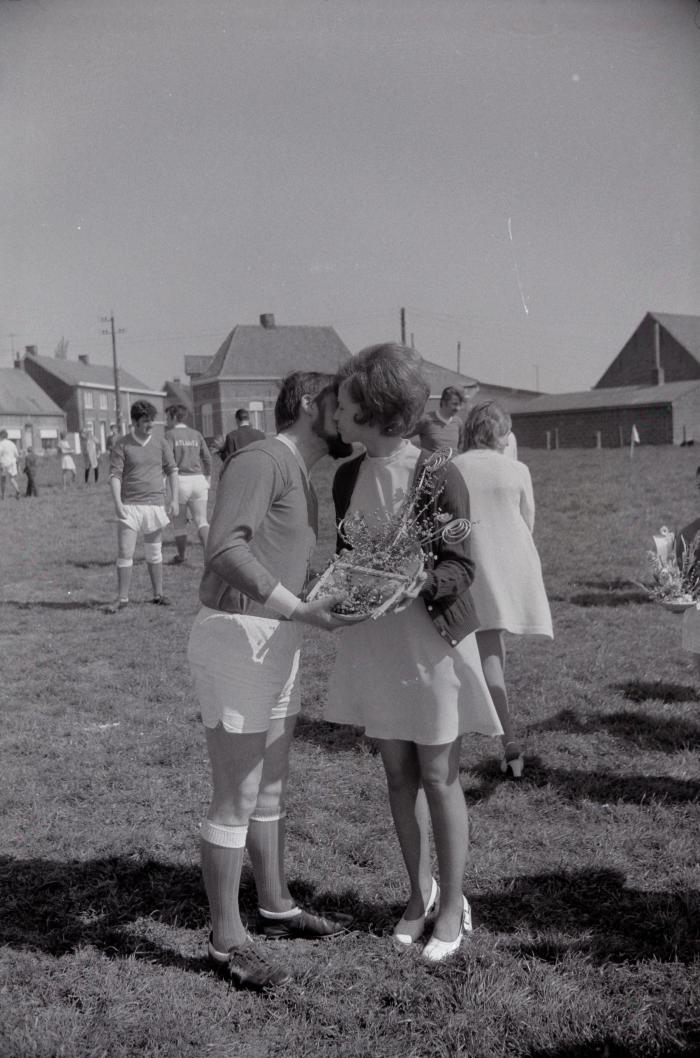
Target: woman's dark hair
x,y
387,382
487,426
294,387
143,409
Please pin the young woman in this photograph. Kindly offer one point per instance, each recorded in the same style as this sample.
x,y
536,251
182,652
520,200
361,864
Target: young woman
x,y
412,678
67,462
508,590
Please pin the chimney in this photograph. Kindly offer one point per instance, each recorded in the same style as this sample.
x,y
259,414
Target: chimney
x,y
177,379
660,377
84,358
267,320
30,350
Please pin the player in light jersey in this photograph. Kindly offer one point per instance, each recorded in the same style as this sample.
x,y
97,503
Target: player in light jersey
x,y
193,461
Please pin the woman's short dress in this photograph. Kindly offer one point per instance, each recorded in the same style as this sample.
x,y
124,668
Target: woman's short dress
x,y
397,677
67,461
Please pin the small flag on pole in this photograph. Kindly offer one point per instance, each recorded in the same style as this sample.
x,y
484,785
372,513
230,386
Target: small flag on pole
x,y
634,439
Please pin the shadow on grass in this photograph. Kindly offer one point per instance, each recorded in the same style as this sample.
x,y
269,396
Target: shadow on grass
x,y
621,598
610,922
579,785
608,1048
97,563
335,738
652,690
665,734
47,604
59,907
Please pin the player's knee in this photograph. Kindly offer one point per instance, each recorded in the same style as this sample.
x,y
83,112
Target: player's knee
x,y
153,552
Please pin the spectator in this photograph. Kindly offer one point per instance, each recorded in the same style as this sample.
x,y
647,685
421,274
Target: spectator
x,y
67,462
508,590
443,428
243,435
30,465
92,455
8,464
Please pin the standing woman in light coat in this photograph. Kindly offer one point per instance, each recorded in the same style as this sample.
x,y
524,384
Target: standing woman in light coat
x,y
508,590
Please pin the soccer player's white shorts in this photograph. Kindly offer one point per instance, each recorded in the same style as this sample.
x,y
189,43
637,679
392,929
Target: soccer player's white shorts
x,y
245,669
193,492
144,517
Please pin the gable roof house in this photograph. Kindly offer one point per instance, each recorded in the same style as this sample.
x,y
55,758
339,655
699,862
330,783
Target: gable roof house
x,y
252,360
30,417
653,384
85,392
248,367
178,392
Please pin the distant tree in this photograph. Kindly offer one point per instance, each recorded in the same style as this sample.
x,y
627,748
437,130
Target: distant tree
x,y
61,350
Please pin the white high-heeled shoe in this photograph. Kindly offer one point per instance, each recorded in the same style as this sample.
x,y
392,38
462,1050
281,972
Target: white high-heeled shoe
x,y
438,950
408,931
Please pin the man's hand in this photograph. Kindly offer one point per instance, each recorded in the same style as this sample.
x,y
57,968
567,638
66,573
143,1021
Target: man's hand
x,y
319,614
174,509
121,513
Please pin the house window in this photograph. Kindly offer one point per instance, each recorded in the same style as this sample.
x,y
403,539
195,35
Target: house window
x,y
207,412
103,402
257,414
87,398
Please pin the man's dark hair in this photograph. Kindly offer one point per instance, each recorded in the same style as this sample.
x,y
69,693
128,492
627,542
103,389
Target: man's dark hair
x,y
242,415
3,435
451,391
143,409
178,411
294,388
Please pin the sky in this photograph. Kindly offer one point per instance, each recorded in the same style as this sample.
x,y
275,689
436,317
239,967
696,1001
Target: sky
x,y
521,176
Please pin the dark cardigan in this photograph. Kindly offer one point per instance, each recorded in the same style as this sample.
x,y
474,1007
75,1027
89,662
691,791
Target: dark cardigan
x,y
450,569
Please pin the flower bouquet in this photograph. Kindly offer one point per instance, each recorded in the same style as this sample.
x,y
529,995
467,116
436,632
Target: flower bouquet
x,y
385,559
674,584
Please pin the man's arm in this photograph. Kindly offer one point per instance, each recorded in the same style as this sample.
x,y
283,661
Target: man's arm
x,y
116,470
115,485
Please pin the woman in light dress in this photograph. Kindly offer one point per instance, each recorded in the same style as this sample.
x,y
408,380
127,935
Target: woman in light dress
x,y
413,678
508,590
67,462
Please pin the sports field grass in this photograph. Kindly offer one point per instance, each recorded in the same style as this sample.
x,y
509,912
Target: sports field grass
x,y
583,876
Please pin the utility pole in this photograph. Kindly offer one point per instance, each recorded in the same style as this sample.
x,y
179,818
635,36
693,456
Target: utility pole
x,y
459,358
403,326
537,377
117,397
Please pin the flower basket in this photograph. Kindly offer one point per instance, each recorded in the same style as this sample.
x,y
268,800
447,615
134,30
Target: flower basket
x,y
675,584
385,554
677,605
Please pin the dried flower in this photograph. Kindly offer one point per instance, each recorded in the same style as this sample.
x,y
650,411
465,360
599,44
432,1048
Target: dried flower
x,y
386,550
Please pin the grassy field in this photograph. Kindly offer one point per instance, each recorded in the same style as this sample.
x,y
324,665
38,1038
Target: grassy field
x,y
583,877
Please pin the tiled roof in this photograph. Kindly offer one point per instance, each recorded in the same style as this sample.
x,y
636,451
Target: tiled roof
x,y
270,352
612,397
21,395
73,372
178,391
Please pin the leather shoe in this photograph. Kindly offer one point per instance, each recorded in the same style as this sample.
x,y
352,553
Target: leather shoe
x,y
304,926
245,966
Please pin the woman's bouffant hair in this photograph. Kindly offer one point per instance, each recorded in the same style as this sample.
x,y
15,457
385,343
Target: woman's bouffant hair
x,y
487,426
388,384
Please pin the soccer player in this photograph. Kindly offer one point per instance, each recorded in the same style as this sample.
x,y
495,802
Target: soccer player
x,y
244,658
194,473
138,461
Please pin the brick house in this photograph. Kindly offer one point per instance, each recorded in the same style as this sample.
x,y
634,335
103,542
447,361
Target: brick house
x,y
30,417
85,392
248,367
652,384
